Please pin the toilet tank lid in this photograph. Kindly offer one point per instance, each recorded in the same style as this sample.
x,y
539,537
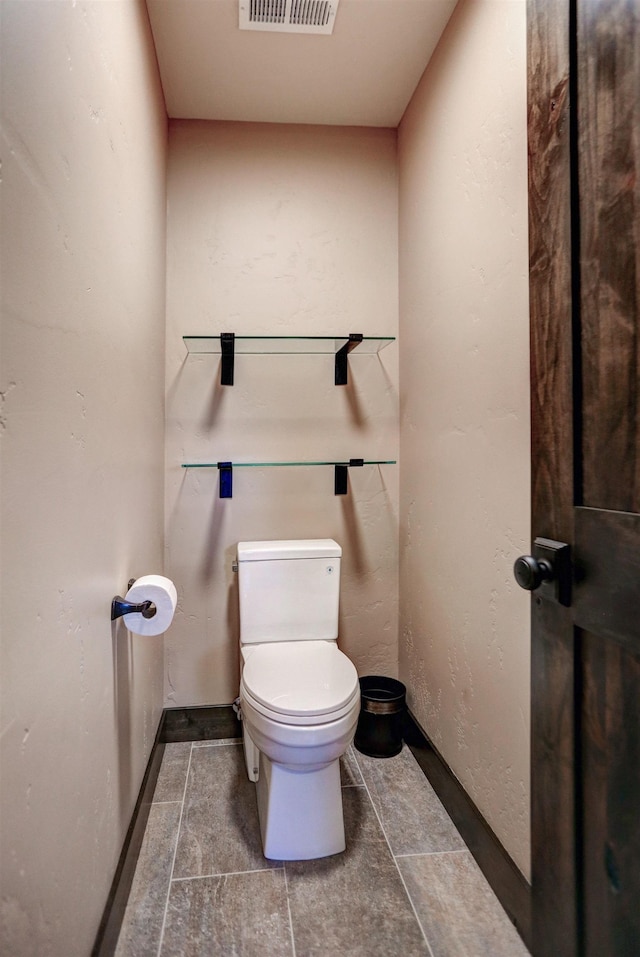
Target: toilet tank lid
x,y
301,548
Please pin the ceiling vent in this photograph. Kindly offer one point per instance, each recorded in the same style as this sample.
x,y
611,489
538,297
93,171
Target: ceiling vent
x,y
288,16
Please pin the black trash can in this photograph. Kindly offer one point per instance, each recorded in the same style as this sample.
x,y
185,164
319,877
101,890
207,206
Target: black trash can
x,y
382,708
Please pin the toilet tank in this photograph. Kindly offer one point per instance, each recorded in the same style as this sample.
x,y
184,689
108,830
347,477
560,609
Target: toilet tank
x,y
289,590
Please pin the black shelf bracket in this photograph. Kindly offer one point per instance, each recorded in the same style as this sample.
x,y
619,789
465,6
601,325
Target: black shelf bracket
x,y
342,366
226,479
228,351
340,478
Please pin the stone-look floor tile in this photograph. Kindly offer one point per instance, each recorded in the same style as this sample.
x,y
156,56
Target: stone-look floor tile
x,y
243,914
353,903
413,818
460,914
142,924
220,833
349,771
173,772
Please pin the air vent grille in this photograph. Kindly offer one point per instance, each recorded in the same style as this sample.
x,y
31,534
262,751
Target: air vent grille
x,y
289,16
267,11
311,13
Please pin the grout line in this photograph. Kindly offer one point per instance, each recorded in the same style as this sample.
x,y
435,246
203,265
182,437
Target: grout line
x,y
202,877
175,852
406,890
159,803
286,887
455,850
220,743
426,939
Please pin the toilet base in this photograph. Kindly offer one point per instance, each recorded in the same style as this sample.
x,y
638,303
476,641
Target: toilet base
x,y
300,812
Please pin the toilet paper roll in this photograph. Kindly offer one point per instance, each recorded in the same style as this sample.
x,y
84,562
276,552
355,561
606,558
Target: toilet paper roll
x,y
162,592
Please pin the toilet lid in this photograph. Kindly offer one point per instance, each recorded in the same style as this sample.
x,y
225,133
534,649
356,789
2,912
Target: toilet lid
x,y
300,677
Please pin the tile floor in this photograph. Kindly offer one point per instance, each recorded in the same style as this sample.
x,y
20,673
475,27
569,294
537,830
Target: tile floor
x,y
406,885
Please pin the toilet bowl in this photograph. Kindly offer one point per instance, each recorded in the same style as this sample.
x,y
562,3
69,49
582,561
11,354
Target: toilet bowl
x,y
300,703
299,694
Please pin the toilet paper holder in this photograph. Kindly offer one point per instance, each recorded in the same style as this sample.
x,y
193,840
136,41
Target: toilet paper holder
x,y
120,606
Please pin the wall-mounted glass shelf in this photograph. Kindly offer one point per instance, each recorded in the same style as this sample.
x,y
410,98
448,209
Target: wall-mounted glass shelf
x,y
340,476
279,465
228,345
285,345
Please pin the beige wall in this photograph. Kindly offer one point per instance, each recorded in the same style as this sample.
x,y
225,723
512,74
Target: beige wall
x,y
464,649
83,248
279,230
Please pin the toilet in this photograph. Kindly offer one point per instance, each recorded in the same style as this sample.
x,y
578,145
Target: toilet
x,y
299,694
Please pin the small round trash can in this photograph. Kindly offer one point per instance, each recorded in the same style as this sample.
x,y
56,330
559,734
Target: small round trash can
x,y
382,707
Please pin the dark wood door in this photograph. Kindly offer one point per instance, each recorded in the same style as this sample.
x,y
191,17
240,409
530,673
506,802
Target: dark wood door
x,y
584,161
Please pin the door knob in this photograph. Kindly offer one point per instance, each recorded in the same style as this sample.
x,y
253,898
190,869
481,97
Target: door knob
x,y
531,572
549,568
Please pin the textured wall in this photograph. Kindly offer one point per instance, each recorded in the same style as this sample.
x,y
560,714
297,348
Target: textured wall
x,y
464,649
279,230
83,248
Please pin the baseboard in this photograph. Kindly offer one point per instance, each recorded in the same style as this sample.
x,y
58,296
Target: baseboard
x,y
176,724
508,883
200,723
109,929
220,721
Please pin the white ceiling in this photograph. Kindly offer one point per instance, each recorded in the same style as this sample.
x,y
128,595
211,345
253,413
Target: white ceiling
x,y
362,75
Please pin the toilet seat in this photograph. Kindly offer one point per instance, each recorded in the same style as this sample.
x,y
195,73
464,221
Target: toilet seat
x,y
299,720
299,682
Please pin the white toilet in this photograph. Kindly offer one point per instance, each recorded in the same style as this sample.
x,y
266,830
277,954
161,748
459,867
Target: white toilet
x,y
299,694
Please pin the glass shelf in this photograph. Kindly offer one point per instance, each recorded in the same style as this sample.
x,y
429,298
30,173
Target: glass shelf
x,y
228,346
271,465
285,345
340,470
